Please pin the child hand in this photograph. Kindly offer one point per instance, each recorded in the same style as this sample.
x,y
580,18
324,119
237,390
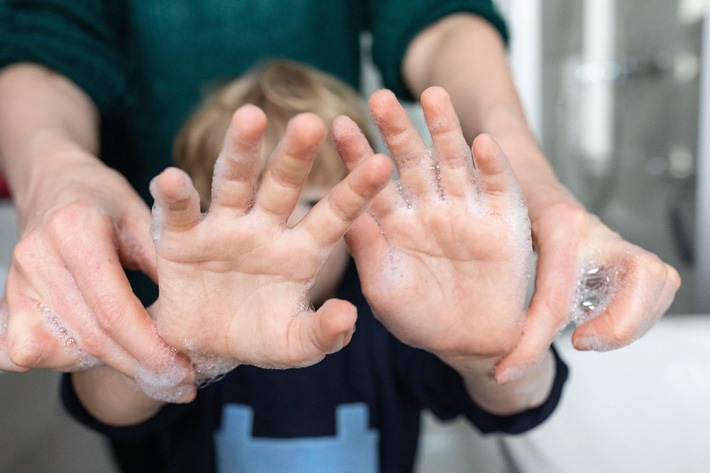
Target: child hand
x,y
234,282
444,253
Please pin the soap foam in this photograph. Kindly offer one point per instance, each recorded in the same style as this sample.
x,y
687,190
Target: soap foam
x,y
156,223
67,338
521,236
595,287
208,368
163,384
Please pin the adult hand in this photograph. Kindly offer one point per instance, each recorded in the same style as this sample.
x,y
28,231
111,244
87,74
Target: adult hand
x,y
585,267
69,304
235,282
444,254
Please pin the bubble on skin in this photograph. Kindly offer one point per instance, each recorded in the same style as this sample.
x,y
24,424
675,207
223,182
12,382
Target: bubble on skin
x,y
67,338
208,368
435,168
156,223
166,383
595,287
394,268
520,232
211,368
407,201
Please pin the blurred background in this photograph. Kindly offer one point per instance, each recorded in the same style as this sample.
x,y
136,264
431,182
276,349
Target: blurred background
x,y
618,93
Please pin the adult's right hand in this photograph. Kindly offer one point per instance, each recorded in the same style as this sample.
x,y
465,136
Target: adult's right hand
x,y
68,304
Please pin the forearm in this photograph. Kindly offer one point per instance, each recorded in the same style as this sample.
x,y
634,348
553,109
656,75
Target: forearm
x,y
466,55
42,112
112,397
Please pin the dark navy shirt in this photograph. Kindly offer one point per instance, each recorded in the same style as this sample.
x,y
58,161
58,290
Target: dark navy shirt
x,y
356,411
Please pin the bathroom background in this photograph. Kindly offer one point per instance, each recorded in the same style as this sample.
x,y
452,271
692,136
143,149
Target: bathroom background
x,y
618,95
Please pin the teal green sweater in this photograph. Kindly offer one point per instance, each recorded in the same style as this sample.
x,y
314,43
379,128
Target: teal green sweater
x,y
147,63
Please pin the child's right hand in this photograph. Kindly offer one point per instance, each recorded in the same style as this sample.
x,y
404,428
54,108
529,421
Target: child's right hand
x,y
234,282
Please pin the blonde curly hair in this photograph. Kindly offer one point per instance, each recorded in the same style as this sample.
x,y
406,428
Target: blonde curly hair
x,y
282,89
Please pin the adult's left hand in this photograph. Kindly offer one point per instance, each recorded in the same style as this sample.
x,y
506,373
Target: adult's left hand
x,y
578,255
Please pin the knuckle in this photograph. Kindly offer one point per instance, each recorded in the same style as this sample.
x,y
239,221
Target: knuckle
x,y
623,333
651,269
74,218
26,351
93,342
25,252
110,313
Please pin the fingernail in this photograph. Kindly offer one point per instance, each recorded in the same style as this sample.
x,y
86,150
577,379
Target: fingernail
x,y
340,343
510,374
592,342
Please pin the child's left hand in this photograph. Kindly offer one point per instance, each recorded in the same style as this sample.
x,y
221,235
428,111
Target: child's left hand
x,y
444,252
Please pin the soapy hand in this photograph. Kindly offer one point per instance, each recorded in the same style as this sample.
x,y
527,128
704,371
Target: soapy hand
x,y
630,292
68,304
444,253
234,282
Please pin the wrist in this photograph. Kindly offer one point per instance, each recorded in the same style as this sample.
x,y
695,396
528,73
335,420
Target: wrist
x,y
527,391
44,158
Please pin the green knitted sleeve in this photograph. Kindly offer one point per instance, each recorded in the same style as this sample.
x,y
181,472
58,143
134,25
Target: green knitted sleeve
x,y
76,38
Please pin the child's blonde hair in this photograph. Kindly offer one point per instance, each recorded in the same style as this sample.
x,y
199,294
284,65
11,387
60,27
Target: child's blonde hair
x,y
281,89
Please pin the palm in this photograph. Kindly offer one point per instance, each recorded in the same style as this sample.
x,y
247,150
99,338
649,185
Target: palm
x,y
443,254
234,283
234,286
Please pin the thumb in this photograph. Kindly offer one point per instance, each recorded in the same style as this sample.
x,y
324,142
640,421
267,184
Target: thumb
x,y
547,316
332,326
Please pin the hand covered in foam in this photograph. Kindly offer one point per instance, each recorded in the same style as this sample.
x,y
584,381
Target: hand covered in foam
x,y
588,275
444,254
234,282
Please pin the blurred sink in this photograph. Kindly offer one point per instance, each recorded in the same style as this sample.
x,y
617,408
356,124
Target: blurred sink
x,y
643,408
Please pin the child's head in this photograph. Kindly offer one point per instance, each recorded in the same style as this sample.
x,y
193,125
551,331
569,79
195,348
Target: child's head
x,y
282,89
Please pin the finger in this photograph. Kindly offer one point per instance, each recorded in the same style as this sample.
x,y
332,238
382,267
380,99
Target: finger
x,y
669,290
548,312
353,148
328,221
496,180
408,150
6,363
34,339
633,309
239,163
350,142
105,305
493,166
135,246
177,204
326,331
289,166
452,155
